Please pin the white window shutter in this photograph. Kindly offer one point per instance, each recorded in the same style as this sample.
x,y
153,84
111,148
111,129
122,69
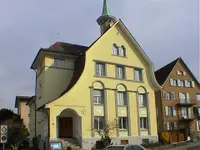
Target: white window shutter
x,y
179,82
192,84
178,72
174,111
187,96
166,111
198,126
186,83
180,95
189,111
168,126
171,82
184,73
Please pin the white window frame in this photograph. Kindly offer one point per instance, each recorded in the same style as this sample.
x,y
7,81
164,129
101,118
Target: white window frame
x,y
99,118
182,83
138,76
120,70
121,98
170,111
100,69
115,50
121,51
100,98
198,96
142,100
121,122
142,123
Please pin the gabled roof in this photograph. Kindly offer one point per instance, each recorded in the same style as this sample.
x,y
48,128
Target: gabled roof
x,y
22,99
62,48
80,63
163,73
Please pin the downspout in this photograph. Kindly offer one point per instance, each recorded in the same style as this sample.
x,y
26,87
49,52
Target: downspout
x,y
48,135
35,102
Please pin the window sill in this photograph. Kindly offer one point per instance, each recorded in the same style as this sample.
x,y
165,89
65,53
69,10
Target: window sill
x,y
117,79
123,129
143,129
142,106
122,105
138,81
119,56
98,104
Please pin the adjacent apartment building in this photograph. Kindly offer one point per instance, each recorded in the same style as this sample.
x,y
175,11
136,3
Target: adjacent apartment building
x,y
81,88
22,109
178,103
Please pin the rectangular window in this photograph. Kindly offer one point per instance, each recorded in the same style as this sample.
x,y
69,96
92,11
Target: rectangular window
x,y
98,97
185,113
170,125
182,83
123,123
99,123
170,110
184,97
138,75
143,123
100,69
142,100
198,96
120,72
59,63
169,95
121,98
173,82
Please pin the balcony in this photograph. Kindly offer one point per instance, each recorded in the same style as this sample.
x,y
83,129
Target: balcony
x,y
186,117
186,102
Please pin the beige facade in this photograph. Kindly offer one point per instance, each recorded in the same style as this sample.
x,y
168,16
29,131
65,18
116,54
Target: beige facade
x,y
23,110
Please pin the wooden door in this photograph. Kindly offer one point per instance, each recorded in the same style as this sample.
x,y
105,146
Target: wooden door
x,y
65,127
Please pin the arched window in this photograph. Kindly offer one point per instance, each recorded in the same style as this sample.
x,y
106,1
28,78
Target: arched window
x,y
142,97
98,93
122,51
114,49
121,95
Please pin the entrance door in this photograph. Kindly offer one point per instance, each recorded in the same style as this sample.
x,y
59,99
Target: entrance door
x,y
65,127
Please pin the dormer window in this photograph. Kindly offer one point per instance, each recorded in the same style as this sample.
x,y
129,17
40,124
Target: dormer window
x,y
118,50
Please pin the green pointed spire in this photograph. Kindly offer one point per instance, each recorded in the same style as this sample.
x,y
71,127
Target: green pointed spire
x,y
106,11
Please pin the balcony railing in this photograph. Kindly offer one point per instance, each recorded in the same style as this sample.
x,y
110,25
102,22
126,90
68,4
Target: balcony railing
x,y
186,117
186,102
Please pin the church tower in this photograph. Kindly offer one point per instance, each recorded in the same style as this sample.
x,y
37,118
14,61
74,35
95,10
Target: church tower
x,y
106,20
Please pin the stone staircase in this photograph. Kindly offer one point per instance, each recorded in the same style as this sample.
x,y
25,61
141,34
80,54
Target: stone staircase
x,y
72,142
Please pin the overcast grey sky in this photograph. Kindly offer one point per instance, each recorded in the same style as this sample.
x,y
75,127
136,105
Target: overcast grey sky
x,y
165,29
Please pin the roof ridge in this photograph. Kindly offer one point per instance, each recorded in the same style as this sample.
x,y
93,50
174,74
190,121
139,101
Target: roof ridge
x,y
168,64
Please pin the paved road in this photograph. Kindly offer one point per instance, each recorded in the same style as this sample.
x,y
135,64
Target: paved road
x,y
191,146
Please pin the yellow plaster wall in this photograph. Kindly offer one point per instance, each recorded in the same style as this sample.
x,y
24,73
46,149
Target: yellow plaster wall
x,y
122,111
98,111
80,93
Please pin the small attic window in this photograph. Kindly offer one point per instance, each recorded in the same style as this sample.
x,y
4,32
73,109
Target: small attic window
x,y
118,50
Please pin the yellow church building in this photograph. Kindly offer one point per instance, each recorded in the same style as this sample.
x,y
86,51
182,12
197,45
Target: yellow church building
x,y
80,88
